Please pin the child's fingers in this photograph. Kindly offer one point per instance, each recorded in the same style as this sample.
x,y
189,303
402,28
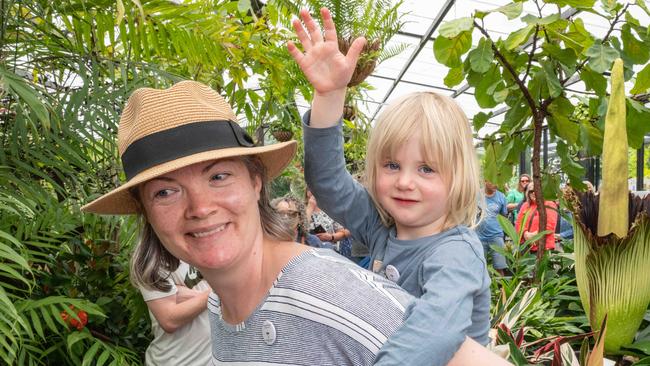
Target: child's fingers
x,y
302,35
355,50
312,27
328,25
295,52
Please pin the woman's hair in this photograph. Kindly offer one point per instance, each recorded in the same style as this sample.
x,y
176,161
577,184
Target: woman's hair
x,y
529,187
152,263
446,140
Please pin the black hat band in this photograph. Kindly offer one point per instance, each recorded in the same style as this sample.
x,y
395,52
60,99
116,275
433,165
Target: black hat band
x,y
181,141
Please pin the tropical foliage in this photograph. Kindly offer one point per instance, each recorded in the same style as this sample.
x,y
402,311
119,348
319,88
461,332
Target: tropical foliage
x,y
66,68
531,70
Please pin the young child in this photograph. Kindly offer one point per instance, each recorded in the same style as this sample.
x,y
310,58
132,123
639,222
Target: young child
x,y
423,189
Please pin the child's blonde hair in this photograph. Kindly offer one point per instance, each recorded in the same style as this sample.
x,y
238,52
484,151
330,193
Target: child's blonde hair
x,y
446,140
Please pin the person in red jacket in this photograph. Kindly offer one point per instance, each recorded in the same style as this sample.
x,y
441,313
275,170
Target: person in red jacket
x,y
531,224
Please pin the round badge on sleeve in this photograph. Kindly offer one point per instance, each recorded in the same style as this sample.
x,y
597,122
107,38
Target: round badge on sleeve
x,y
392,273
268,332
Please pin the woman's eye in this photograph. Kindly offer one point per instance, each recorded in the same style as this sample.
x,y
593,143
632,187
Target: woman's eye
x,y
219,176
163,193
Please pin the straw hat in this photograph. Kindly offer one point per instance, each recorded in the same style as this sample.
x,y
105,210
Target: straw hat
x,y
164,130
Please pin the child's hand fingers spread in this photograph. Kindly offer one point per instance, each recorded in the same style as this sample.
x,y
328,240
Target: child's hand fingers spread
x,y
355,50
328,25
302,35
312,27
295,52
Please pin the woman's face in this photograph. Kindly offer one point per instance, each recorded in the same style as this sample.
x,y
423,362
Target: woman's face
x,y
290,212
206,214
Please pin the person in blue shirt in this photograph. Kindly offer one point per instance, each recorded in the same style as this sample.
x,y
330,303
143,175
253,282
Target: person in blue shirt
x,y
417,214
489,230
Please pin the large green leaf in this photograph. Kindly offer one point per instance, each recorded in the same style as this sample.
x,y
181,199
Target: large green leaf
x,y
533,20
642,83
637,124
566,56
512,10
484,91
480,58
454,77
449,50
578,4
455,27
635,50
518,37
601,57
591,138
552,81
593,80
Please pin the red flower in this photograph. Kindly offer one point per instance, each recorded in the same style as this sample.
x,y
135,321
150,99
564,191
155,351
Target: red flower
x,y
71,321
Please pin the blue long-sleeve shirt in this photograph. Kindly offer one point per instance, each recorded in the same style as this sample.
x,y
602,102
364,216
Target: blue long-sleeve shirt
x,y
446,271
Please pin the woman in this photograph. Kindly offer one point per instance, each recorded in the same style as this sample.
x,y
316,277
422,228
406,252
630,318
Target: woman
x,y
528,219
199,184
293,211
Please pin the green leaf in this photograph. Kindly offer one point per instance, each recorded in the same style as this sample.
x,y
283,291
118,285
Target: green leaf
x,y
553,83
560,110
455,27
566,56
480,119
591,138
643,346
483,92
574,170
601,57
518,37
482,56
243,6
533,20
448,50
636,123
454,77
593,81
25,92
512,10
642,81
578,4
637,51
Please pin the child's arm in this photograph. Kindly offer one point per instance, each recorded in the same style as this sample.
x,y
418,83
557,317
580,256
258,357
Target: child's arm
x,y
473,354
455,303
326,68
329,71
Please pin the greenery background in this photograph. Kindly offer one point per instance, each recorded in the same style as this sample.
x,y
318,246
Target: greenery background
x,y
66,69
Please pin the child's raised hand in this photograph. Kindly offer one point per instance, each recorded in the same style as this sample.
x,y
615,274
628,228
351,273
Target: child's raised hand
x,y
326,68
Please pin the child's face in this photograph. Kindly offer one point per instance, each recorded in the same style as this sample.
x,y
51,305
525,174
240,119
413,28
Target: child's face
x,y
413,192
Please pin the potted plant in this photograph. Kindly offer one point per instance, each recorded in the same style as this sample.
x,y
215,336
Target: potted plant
x,y
376,20
282,127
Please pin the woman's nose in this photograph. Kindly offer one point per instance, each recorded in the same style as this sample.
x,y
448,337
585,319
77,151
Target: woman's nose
x,y
199,204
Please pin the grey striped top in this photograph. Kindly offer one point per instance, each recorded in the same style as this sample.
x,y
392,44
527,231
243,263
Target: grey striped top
x,y
321,310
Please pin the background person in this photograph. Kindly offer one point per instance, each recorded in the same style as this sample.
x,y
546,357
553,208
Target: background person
x,y
179,319
489,230
515,197
293,211
528,218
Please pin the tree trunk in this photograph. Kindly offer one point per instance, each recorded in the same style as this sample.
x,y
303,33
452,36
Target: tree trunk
x,y
538,120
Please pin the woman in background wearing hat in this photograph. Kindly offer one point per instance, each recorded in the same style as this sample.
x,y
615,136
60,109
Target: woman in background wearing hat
x,y
199,184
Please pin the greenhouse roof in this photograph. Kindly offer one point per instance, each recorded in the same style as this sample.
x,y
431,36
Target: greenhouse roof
x,y
416,68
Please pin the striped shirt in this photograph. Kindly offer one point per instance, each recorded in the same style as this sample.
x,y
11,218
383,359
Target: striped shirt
x,y
321,310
